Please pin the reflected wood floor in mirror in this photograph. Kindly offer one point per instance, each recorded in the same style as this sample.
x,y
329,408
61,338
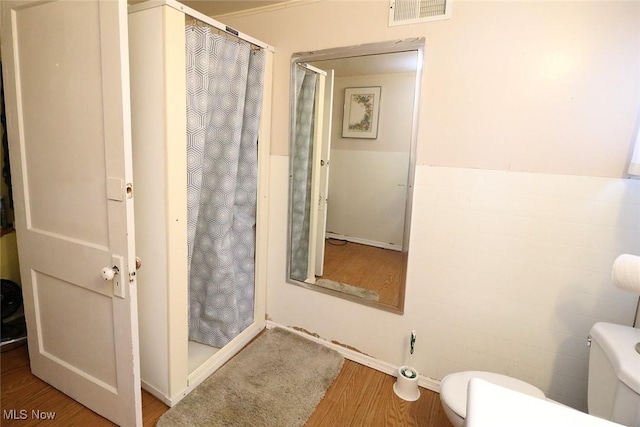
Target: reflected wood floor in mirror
x,y
366,267
360,396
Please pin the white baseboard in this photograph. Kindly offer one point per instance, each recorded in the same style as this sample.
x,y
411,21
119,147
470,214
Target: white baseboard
x,y
373,243
156,393
221,357
231,349
363,359
210,366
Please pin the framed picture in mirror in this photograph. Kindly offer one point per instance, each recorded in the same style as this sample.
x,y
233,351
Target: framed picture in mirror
x,y
361,111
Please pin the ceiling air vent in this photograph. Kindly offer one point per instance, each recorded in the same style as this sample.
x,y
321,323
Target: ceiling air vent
x,y
403,12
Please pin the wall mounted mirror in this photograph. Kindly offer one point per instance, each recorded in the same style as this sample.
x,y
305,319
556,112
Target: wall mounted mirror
x,y
352,159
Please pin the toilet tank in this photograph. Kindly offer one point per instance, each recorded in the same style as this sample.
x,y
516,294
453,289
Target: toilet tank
x,y
614,373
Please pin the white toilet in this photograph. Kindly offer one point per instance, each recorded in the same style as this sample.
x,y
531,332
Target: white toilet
x,y
453,391
614,373
614,379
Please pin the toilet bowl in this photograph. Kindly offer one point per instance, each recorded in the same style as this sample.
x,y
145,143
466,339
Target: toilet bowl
x,y
453,391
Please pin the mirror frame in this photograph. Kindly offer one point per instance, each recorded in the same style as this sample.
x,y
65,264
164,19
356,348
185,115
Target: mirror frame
x,y
413,44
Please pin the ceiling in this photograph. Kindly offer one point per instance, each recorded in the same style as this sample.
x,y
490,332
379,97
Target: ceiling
x,y
222,7
388,63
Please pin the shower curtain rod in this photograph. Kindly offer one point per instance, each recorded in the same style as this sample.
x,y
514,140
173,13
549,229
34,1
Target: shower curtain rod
x,y
312,68
149,4
228,33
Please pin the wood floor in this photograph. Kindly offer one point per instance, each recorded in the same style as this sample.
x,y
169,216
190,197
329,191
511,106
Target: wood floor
x,y
360,396
366,267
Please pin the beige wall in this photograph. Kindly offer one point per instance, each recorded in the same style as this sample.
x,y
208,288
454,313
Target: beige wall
x,y
540,86
510,251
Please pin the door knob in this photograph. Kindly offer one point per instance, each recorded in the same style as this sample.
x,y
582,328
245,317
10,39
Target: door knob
x,y
108,273
138,263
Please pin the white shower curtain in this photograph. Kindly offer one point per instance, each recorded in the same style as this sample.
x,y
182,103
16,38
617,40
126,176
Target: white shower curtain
x,y
224,100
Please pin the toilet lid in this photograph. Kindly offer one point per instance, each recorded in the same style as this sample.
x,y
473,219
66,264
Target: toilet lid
x,y
453,388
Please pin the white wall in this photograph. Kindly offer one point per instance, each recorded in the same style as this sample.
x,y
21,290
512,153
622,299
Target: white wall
x,y
527,118
367,196
368,177
508,271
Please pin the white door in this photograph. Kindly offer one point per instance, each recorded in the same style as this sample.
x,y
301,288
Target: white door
x,y
325,155
67,94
